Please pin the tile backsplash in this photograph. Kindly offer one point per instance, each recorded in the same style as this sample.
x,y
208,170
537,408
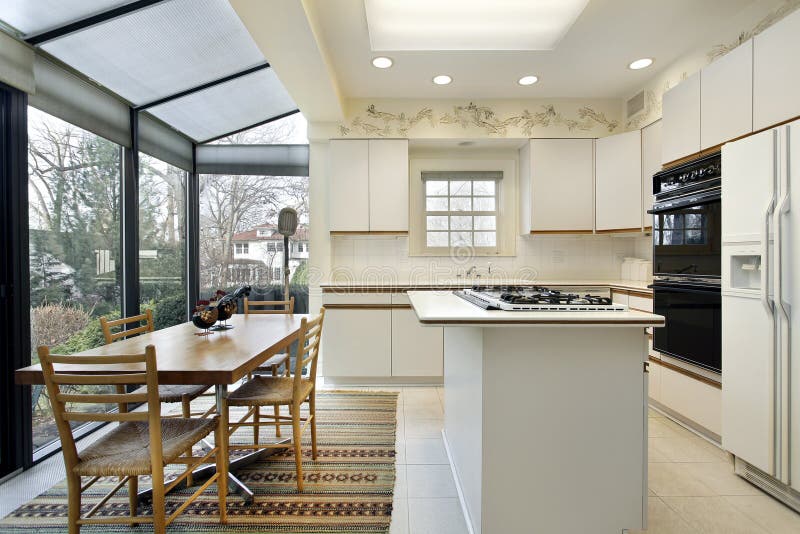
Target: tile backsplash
x,y
358,258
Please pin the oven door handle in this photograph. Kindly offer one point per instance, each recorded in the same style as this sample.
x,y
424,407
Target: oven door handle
x,y
686,289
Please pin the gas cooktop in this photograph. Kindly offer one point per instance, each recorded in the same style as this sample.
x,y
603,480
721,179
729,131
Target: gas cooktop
x,y
534,298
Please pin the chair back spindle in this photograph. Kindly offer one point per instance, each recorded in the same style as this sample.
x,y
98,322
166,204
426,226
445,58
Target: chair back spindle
x,y
307,351
123,333
288,306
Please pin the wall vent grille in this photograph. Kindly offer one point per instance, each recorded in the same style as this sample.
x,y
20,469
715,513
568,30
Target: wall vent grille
x,y
635,104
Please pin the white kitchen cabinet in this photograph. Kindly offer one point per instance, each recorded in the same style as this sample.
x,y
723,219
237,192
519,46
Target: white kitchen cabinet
x,y
651,164
368,185
681,120
562,168
618,182
775,76
388,185
416,350
726,97
348,189
357,343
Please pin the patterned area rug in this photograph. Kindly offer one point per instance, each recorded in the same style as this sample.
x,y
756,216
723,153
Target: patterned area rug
x,y
348,489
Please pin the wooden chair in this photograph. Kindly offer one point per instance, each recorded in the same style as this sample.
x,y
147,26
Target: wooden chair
x,y
292,391
143,444
273,364
166,393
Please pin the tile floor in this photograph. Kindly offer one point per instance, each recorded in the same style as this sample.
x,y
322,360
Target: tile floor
x,y
692,485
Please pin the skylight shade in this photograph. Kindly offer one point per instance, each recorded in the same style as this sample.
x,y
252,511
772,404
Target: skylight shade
x,y
161,50
396,25
35,16
228,106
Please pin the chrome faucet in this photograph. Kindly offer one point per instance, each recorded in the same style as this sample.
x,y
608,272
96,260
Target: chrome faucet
x,y
472,270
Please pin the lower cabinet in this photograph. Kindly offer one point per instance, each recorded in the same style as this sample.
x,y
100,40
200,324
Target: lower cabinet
x,y
416,350
380,342
357,343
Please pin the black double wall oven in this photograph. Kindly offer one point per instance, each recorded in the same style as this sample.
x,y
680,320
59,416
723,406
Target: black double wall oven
x,y
687,262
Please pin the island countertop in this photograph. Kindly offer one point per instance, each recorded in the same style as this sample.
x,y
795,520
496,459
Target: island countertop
x,y
443,308
383,286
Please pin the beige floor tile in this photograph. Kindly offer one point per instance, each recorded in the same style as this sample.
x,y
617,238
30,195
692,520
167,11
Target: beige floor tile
x,y
423,428
400,482
661,427
430,481
675,480
424,411
400,452
712,515
654,455
770,514
691,449
436,516
661,519
420,396
399,524
425,451
719,476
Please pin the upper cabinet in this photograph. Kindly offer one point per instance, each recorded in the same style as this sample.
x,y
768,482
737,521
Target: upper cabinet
x,y
775,73
651,164
368,187
681,120
726,97
388,185
348,189
561,169
618,182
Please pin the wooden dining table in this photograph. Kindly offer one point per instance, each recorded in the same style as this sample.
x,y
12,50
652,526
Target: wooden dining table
x,y
219,359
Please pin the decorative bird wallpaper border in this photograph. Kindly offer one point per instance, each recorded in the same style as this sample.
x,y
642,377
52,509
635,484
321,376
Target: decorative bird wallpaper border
x,y
384,124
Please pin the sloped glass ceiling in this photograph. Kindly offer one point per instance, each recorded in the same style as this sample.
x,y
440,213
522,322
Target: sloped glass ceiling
x,y
227,107
159,50
35,16
162,49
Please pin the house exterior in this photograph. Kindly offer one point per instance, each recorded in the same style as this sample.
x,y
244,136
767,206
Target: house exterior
x,y
258,253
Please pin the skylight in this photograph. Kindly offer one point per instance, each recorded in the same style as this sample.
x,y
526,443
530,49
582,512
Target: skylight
x,y
397,25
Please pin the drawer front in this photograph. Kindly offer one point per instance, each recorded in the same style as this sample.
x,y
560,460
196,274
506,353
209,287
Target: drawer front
x,y
640,303
619,297
357,298
400,298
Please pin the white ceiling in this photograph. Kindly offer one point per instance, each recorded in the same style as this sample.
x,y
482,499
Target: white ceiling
x,y
590,61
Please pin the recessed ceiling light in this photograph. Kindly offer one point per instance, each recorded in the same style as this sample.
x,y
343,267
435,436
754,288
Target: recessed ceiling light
x,y
641,63
528,80
442,79
382,62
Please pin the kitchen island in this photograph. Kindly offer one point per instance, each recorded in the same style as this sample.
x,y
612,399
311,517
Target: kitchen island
x,y
545,415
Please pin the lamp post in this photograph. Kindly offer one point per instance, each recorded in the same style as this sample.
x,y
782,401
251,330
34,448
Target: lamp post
x,y
287,226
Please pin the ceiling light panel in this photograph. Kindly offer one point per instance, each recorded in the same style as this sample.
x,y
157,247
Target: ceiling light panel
x,y
228,106
161,50
36,16
475,25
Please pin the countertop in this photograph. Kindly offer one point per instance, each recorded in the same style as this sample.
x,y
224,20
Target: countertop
x,y
392,287
443,308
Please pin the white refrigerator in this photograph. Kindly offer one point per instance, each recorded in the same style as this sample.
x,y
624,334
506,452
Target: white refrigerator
x,y
760,329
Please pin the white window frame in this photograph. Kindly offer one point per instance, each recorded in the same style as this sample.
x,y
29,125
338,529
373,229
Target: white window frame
x,y
241,248
505,204
462,176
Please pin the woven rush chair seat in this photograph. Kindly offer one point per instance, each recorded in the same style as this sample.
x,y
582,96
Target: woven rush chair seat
x,y
268,390
175,393
126,449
